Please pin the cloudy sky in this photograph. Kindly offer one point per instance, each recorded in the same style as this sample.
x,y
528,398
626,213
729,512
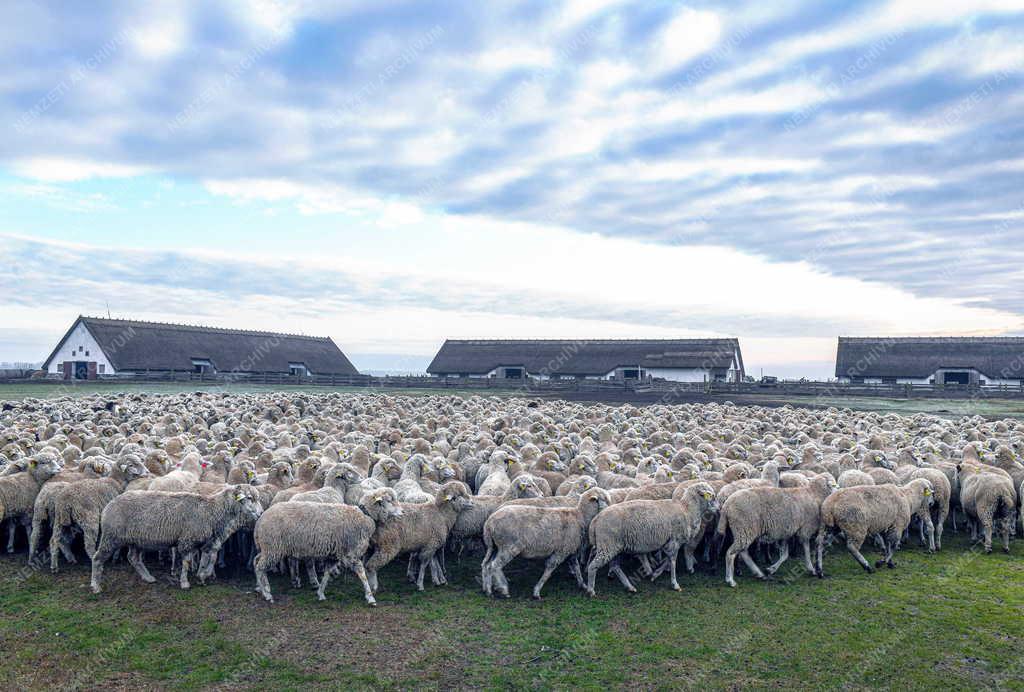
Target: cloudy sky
x,y
394,173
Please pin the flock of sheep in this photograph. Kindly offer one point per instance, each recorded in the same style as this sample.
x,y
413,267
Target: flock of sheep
x,y
284,481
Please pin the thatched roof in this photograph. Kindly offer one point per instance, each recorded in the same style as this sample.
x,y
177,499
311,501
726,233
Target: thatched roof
x,y
132,345
584,357
920,357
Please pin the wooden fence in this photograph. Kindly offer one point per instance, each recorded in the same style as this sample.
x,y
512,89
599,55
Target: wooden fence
x,y
823,390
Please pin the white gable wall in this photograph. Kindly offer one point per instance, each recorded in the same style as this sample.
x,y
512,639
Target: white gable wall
x,y
69,350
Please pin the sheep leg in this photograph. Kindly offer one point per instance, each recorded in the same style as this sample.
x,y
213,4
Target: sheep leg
x,y
749,562
437,572
321,584
597,561
853,546
783,556
574,568
645,566
36,536
928,528
730,566
186,565
496,571
371,578
410,569
550,565
103,553
424,560
691,559
823,535
262,583
55,542
808,563
986,529
616,569
673,554
311,573
12,527
293,569
356,565
135,560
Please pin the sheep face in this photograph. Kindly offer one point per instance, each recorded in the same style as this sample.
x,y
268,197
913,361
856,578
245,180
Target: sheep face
x,y
596,499
248,500
525,487
45,468
381,505
706,495
133,468
457,495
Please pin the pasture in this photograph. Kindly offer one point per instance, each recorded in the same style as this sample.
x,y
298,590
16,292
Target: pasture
x,y
954,620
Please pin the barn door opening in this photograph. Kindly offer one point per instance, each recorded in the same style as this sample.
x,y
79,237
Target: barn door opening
x,y
81,370
957,378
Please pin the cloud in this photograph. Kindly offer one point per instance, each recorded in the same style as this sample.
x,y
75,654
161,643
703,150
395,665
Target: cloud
x,y
55,169
878,144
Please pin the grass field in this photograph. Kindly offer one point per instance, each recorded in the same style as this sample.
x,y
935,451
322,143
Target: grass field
x,y
954,620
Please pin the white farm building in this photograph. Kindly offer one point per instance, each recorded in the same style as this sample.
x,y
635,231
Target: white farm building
x,y
931,360
96,347
679,360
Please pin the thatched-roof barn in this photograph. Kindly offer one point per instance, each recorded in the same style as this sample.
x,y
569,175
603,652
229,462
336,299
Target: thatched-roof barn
x,y
95,347
931,360
691,360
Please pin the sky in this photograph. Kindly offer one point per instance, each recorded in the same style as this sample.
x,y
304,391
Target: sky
x,y
392,174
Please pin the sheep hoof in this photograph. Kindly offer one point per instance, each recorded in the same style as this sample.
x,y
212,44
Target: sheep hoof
x,y
869,569
731,583
1006,550
151,579
372,603
96,589
677,588
536,596
891,564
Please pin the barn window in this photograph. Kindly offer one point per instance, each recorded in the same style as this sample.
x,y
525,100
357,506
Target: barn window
x,y
631,374
87,353
60,367
101,367
297,369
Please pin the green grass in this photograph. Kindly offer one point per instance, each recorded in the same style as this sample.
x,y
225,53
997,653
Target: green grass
x,y
951,620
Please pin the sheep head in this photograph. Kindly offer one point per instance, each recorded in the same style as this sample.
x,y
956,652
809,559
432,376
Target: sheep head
x,y
245,499
456,495
381,505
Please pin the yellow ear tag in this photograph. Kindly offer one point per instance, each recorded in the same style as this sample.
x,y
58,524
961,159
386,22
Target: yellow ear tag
x,y
238,497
